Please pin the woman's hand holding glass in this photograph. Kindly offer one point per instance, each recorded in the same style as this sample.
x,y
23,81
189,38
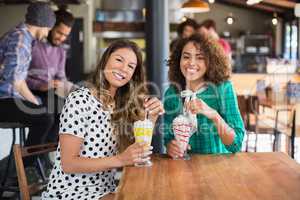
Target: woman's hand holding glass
x,y
135,153
174,149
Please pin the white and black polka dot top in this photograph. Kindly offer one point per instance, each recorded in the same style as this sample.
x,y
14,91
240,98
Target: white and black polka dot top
x,y
83,117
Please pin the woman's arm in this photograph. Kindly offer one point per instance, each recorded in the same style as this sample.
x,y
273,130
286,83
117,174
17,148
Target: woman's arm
x,y
72,162
229,126
197,106
225,132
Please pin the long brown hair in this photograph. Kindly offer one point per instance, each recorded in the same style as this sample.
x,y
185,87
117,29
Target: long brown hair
x,y
217,62
129,98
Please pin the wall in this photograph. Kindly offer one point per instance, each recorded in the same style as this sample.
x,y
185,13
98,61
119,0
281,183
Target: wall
x,y
12,15
248,20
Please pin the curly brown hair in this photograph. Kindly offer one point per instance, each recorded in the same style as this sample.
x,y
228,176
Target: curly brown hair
x,y
217,63
187,22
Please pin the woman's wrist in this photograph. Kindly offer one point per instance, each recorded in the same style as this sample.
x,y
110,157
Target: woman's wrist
x,y
117,161
153,119
215,117
218,120
226,133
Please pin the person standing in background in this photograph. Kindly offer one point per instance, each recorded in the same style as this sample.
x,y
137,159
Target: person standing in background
x,y
208,27
184,30
16,100
47,67
46,73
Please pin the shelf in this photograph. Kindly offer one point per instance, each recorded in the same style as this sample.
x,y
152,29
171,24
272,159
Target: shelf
x,y
119,26
138,27
118,34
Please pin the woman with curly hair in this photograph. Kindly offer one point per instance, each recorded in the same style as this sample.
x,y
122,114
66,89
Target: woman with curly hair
x,y
93,123
200,68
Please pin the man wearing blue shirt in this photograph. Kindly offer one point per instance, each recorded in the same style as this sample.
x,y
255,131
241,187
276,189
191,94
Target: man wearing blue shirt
x,y
16,100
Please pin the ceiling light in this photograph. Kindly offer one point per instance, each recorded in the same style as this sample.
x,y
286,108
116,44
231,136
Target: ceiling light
x,y
229,19
211,1
195,6
183,19
252,2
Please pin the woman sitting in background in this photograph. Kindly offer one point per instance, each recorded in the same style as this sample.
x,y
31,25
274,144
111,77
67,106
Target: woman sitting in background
x,y
199,66
87,154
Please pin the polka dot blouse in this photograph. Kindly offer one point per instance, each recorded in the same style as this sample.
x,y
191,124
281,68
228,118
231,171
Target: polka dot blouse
x,y
83,117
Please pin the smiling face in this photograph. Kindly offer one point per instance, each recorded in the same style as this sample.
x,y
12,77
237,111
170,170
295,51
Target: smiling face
x,y
192,63
120,68
59,34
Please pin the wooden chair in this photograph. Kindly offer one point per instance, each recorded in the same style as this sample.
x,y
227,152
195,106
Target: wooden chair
x,y
242,102
243,107
260,121
6,175
254,121
295,130
27,190
291,117
277,113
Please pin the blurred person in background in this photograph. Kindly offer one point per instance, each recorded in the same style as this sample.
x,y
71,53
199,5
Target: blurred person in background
x,y
16,99
46,74
17,102
208,27
184,30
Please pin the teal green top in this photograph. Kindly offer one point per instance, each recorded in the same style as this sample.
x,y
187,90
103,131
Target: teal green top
x,y
206,140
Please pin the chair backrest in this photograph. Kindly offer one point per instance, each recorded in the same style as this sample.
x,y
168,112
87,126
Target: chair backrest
x,y
247,105
297,119
22,152
253,104
242,102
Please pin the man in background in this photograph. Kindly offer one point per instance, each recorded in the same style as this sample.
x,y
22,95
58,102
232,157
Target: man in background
x,y
208,27
17,103
47,68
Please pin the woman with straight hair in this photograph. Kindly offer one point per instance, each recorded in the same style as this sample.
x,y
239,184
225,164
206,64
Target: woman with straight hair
x,y
94,125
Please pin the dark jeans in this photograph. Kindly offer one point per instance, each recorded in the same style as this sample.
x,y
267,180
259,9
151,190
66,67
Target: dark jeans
x,y
33,116
54,105
50,100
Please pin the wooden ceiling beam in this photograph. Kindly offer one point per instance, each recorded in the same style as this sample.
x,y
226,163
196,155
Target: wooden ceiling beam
x,y
281,3
262,7
28,1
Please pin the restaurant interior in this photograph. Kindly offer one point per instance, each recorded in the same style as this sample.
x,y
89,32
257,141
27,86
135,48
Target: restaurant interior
x,y
264,49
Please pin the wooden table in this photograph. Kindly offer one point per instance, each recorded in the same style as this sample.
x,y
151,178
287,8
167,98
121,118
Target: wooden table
x,y
241,176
